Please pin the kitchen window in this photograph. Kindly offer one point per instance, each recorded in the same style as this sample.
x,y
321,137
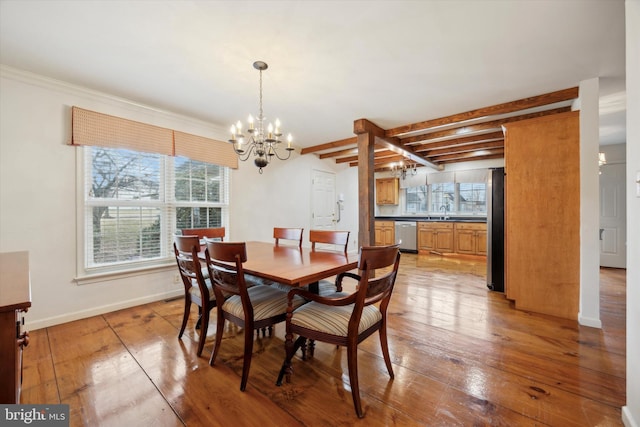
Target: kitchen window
x,y
446,193
134,202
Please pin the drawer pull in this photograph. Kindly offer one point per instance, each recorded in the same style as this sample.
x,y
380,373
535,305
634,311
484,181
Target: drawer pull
x,y
23,341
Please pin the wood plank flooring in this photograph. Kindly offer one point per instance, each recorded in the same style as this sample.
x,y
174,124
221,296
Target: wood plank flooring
x,y
462,356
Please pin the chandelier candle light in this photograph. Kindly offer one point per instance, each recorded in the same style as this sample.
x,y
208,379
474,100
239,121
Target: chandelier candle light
x,y
400,169
263,145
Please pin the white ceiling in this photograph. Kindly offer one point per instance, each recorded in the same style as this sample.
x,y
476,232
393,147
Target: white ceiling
x,y
330,62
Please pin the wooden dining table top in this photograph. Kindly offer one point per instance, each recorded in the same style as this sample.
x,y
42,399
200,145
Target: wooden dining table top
x,y
295,266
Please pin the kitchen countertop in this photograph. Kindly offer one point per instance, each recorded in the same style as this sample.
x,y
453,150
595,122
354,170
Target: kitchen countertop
x,y
431,219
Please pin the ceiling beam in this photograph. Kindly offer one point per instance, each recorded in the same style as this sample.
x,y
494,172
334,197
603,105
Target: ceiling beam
x,y
330,145
465,148
480,127
362,126
492,136
507,107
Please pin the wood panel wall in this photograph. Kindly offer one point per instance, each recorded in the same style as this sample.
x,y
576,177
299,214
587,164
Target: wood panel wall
x,y
542,214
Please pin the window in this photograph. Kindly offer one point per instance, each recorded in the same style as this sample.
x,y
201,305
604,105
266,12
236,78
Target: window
x,y
447,193
472,198
134,203
442,197
416,199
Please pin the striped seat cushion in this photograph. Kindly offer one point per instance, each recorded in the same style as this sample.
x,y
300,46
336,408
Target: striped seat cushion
x,y
333,320
267,302
194,290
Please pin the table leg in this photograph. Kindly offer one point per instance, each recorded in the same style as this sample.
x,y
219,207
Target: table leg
x,y
314,288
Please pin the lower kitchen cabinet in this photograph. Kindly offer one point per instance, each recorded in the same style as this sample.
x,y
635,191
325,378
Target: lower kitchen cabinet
x,y
435,236
384,233
471,238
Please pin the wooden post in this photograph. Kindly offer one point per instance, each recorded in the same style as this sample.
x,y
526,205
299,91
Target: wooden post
x,y
367,133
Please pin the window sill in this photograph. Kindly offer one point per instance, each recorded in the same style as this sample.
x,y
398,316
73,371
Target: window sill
x,y
123,274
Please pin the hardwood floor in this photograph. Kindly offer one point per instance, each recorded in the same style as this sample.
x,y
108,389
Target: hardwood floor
x,y
462,356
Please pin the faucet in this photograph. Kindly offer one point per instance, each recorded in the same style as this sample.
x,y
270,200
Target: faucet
x,y
444,208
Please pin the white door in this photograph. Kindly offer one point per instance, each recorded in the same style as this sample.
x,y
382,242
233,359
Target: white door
x,y
613,222
323,200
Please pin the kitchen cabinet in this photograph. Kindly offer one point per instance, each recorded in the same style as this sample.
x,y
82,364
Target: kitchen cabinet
x,y
471,238
15,300
387,191
435,236
384,233
542,214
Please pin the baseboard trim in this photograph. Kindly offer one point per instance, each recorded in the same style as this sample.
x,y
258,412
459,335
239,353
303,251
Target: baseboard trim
x,y
627,418
96,311
589,321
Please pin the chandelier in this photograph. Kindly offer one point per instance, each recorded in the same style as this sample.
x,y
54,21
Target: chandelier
x,y
401,169
262,144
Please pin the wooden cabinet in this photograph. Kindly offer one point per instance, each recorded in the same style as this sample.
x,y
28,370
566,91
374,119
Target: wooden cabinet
x,y
435,236
471,238
387,191
15,300
384,233
542,214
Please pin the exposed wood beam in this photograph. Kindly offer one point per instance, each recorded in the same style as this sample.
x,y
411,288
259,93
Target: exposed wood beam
x,y
507,107
330,145
465,148
471,155
491,125
491,156
347,152
460,141
362,126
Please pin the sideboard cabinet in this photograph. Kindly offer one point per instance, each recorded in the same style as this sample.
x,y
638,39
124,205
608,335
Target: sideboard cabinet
x,y
15,300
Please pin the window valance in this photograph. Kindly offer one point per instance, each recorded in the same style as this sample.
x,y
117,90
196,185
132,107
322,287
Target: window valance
x,y
103,130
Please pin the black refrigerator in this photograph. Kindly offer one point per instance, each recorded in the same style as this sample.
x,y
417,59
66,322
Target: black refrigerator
x,y
495,229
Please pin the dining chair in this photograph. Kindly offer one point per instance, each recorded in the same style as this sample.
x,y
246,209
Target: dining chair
x,y
252,308
197,289
332,237
346,320
211,233
288,234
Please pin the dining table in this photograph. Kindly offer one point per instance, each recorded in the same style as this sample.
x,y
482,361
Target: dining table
x,y
295,266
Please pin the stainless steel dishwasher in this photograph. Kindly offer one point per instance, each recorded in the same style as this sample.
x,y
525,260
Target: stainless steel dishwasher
x,y
407,236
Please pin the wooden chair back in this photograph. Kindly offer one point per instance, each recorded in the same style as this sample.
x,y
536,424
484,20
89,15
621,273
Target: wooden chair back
x,y
376,288
186,250
332,237
224,261
210,233
288,234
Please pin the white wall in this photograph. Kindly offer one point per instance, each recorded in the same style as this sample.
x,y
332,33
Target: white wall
x,y
281,197
38,197
631,412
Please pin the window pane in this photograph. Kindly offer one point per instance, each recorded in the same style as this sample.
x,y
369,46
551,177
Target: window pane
x,y
416,199
125,234
197,181
197,217
442,197
472,198
124,175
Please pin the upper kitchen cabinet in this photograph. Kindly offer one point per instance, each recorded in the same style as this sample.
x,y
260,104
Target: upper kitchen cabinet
x,y
542,214
387,191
